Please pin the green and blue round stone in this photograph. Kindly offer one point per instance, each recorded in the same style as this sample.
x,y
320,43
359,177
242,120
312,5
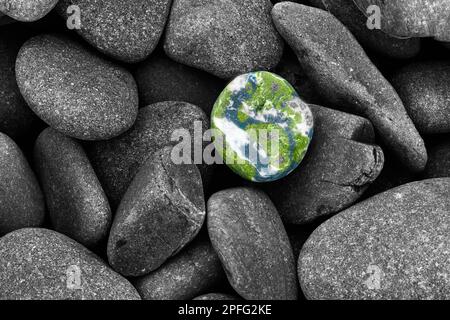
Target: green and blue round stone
x,y
262,129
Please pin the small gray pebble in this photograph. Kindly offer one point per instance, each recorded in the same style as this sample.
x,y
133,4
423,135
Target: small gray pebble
x,y
392,246
76,203
125,31
162,211
193,271
249,237
224,37
41,264
21,200
75,91
27,10
339,67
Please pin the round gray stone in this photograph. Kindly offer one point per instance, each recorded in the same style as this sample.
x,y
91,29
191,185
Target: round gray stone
x,y
75,91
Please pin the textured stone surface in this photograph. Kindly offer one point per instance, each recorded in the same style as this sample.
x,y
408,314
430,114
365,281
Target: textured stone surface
x,y
392,246
161,79
193,271
223,37
76,203
339,166
216,297
75,91
46,265
125,31
27,10
350,15
117,161
162,211
337,64
249,237
425,91
262,127
439,163
21,199
413,18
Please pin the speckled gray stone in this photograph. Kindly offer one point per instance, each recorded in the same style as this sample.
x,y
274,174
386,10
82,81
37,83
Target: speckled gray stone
x,y
350,15
340,165
193,271
76,203
439,164
162,79
425,91
125,31
392,246
223,37
413,18
21,200
216,297
117,161
249,237
337,64
27,10
41,264
161,212
75,91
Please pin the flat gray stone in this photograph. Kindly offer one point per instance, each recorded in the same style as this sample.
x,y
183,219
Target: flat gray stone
x,y
75,91
27,10
76,202
117,161
392,246
341,163
343,74
162,211
125,31
41,264
21,200
192,272
249,237
425,91
223,37
439,163
356,21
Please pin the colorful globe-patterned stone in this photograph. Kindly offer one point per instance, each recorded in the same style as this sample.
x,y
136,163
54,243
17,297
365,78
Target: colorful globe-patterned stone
x,y
262,129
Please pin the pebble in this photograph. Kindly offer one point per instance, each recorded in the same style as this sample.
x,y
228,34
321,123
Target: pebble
x,y
27,10
405,18
162,211
117,161
45,265
392,246
223,37
252,103
21,200
76,203
439,164
75,91
338,66
425,92
249,237
161,79
373,39
125,31
342,162
216,297
192,272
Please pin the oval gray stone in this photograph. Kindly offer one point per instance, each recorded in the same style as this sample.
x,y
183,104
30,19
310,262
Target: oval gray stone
x,y
195,270
41,264
340,69
224,37
73,90
395,245
21,200
249,237
162,211
125,31
76,203
425,91
27,10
